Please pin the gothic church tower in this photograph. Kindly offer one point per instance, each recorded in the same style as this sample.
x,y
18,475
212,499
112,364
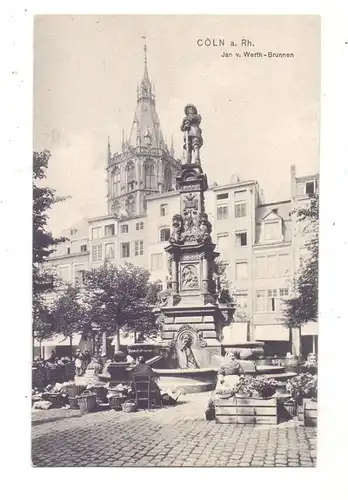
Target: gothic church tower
x,y
145,165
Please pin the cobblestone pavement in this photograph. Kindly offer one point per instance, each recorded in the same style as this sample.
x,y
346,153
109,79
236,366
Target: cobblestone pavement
x,y
168,437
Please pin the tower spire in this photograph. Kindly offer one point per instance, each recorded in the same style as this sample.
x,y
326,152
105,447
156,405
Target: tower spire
x,y
172,151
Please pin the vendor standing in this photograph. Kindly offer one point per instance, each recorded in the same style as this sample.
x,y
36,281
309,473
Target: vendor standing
x,y
78,363
229,373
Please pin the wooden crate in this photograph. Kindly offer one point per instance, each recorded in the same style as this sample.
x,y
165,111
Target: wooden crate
x,y
246,411
310,412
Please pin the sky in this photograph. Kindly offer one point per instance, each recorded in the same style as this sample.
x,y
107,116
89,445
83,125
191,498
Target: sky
x,y
259,115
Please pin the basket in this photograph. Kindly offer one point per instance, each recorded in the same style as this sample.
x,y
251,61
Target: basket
x,y
73,403
129,406
101,392
55,398
116,401
75,390
87,402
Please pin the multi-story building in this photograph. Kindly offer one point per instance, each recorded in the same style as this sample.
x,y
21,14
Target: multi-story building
x,y
260,243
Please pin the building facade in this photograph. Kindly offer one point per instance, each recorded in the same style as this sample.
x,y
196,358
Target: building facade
x,y
261,243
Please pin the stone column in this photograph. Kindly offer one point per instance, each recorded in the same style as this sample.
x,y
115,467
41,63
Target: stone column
x,y
175,284
205,279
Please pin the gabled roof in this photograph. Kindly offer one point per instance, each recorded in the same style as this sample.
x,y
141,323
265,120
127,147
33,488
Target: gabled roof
x,y
273,214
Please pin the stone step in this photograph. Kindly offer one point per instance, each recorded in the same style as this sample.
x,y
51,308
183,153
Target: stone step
x,y
187,385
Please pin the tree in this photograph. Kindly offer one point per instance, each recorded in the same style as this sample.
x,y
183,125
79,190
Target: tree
x,y
43,243
68,312
302,307
117,297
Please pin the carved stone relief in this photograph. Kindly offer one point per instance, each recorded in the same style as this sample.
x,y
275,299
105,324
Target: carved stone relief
x,y
189,277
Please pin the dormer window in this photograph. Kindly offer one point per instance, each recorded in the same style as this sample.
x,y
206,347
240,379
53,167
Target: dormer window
x,y
272,228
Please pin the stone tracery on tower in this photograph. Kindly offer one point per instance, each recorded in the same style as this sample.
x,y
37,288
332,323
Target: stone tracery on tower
x,y
154,166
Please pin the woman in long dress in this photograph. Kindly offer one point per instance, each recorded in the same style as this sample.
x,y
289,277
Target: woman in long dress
x,y
229,374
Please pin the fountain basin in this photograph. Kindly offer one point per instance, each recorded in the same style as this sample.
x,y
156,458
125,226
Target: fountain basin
x,y
189,380
263,369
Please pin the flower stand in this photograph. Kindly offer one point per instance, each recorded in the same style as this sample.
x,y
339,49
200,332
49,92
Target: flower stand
x,y
245,410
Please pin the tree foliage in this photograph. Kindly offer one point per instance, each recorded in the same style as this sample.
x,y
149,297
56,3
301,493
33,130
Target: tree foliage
x,y
302,307
69,313
120,297
43,243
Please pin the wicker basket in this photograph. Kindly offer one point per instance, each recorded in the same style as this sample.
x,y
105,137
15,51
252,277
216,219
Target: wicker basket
x,y
116,401
73,403
75,390
87,402
55,398
101,393
129,407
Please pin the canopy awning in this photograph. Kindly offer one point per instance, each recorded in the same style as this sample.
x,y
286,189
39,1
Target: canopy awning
x,y
59,340
125,339
272,333
310,328
235,332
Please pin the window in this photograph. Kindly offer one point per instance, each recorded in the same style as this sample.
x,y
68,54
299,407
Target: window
x,y
109,230
139,226
150,179
83,248
156,261
124,229
164,234
272,296
240,209
222,196
260,300
131,186
68,250
242,270
163,210
115,189
125,250
310,187
97,253
284,264
272,230
139,248
241,239
109,251
272,265
260,267
223,243
222,212
284,295
242,299
96,233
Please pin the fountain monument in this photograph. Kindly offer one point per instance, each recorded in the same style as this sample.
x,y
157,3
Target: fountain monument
x,y
189,311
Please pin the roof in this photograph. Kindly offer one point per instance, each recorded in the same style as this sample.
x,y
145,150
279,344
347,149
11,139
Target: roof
x,y
59,340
